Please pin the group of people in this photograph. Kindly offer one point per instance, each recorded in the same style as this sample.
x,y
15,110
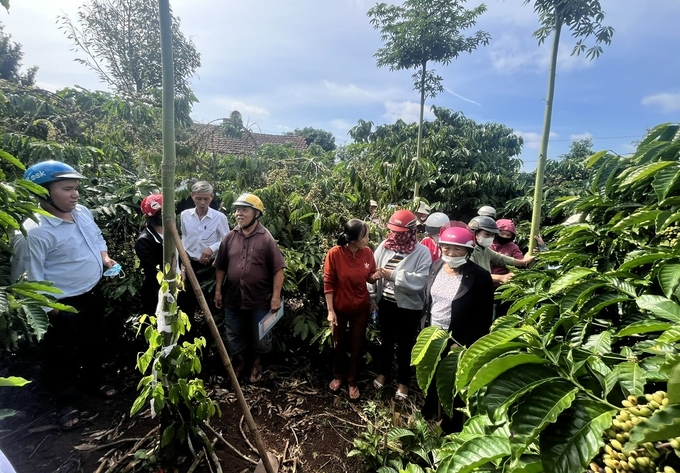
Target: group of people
x,y
448,278
66,246
245,263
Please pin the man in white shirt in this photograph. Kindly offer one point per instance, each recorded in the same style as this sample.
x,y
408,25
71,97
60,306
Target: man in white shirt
x,y
67,248
202,231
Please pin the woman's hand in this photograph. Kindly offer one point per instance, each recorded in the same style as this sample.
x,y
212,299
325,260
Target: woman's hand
x,y
528,259
385,273
332,318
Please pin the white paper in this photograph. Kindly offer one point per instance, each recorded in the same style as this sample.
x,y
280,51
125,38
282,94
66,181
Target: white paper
x,y
269,321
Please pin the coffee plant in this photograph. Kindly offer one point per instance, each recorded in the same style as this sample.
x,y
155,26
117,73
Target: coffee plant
x,y
648,457
595,326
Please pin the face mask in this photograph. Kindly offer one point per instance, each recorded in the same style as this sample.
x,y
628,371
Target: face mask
x,y
454,261
115,270
485,242
503,241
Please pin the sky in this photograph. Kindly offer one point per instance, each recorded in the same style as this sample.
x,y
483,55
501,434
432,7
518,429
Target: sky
x,y
297,63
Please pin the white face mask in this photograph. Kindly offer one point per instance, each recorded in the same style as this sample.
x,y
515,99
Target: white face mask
x,y
485,242
454,261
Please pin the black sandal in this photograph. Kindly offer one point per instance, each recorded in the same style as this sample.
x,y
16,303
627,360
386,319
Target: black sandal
x,y
66,415
107,391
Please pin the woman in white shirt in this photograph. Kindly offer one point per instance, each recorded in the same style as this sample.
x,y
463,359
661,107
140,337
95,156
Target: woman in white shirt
x,y
459,299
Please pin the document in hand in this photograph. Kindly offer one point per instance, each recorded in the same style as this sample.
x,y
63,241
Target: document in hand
x,y
269,321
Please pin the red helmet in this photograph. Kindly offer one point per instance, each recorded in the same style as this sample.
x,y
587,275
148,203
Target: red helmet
x,y
505,224
402,221
152,204
457,236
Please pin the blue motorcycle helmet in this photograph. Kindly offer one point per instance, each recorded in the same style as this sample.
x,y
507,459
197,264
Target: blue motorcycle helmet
x,y
46,172
51,171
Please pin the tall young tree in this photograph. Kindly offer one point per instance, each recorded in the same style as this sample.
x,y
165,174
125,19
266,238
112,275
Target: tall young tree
x,y
121,41
323,138
419,32
11,56
584,19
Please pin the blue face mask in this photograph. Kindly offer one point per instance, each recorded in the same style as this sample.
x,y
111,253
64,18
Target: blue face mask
x,y
115,270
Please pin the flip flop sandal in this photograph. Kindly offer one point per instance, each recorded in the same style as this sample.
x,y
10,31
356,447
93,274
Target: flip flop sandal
x,y
107,391
401,397
377,384
335,385
67,414
255,376
357,394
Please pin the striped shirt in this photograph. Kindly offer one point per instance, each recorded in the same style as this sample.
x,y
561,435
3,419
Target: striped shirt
x,y
388,286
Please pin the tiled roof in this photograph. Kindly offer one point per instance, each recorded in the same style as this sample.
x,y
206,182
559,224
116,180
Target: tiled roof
x,y
212,139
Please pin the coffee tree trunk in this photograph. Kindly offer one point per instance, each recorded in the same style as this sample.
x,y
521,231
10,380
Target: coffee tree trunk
x,y
543,155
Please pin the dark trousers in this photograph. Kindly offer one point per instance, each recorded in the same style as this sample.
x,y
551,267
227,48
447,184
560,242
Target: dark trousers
x,y
431,410
398,326
149,294
72,347
500,308
187,299
349,339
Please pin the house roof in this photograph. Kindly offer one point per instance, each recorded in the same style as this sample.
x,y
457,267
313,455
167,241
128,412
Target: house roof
x,y
212,139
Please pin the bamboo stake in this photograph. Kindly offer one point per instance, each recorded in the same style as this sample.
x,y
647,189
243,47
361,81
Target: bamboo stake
x,y
226,361
545,136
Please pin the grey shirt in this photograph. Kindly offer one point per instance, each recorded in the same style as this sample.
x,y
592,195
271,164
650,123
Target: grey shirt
x,y
485,256
409,277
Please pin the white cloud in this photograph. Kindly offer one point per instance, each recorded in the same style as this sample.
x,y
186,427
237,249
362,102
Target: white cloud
x,y
407,111
580,136
247,110
667,101
628,148
363,5
342,125
348,92
513,53
533,140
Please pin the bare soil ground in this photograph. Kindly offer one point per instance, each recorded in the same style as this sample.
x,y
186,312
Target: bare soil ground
x,y
308,428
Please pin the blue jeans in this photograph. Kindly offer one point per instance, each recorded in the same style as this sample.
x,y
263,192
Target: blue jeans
x,y
241,331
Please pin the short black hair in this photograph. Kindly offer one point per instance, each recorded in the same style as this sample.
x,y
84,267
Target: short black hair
x,y
353,230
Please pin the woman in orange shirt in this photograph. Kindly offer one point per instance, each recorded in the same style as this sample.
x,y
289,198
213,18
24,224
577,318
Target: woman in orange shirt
x,y
349,266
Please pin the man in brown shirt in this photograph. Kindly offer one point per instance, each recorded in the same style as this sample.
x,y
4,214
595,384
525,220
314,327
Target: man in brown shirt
x,y
249,280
